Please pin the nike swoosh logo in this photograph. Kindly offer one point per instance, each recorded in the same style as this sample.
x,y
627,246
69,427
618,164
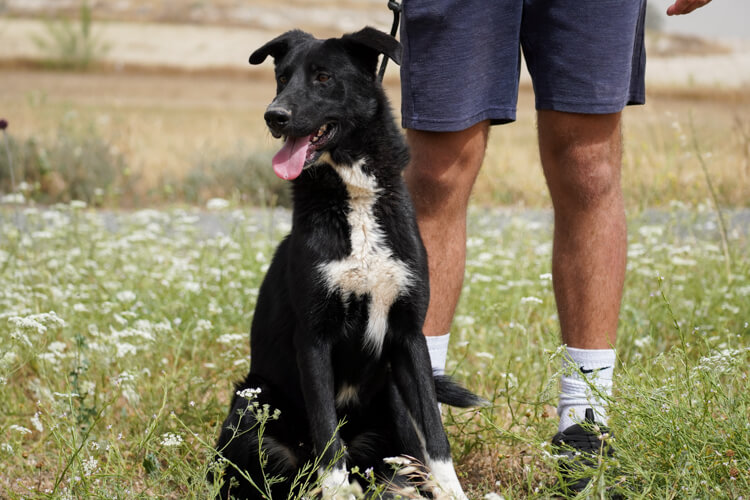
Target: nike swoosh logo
x,y
592,370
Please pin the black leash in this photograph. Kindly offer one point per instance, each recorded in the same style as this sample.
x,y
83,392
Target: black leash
x,y
395,7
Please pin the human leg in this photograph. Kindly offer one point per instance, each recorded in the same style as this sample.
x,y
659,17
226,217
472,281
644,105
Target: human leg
x,y
581,158
440,176
459,73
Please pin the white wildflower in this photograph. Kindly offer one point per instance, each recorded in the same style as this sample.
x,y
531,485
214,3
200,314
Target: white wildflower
x,y
171,439
481,278
88,387
651,231
57,346
533,300
20,429
464,320
124,378
231,338
217,204
732,309
124,349
543,249
485,257
493,496
125,296
214,308
7,359
400,461
510,380
720,361
132,397
42,235
249,393
203,325
80,308
36,422
680,261
90,465
643,341
13,198
27,323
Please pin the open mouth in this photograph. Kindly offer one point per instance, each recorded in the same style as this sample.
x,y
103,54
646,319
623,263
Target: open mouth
x,y
300,152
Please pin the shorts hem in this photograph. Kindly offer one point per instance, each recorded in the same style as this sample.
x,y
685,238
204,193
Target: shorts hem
x,y
496,116
588,107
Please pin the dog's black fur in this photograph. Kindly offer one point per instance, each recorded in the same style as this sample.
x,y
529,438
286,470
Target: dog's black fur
x,y
313,351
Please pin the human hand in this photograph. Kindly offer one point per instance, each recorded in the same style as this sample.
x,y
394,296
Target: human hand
x,y
685,6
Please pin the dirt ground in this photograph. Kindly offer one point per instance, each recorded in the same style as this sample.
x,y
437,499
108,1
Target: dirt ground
x,y
176,84
219,35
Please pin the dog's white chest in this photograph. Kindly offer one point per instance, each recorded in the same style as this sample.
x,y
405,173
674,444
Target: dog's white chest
x,y
370,268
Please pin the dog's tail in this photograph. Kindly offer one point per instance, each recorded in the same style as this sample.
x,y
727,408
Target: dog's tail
x,y
452,393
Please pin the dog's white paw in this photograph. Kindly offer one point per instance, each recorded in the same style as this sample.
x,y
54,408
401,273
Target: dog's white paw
x,y
446,485
336,486
440,494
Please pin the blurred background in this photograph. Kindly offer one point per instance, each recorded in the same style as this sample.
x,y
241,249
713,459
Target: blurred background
x,y
122,103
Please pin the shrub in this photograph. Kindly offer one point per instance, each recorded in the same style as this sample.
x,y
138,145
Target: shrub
x,y
72,45
75,165
244,176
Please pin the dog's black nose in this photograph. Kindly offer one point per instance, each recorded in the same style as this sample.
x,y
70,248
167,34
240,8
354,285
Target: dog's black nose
x,y
277,117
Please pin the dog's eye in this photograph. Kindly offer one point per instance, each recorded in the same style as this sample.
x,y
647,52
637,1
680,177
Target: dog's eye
x,y
322,77
282,79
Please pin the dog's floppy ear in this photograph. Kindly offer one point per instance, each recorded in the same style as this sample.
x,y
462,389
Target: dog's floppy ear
x,y
369,43
279,46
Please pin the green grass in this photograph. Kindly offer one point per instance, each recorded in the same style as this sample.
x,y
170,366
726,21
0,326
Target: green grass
x,y
118,350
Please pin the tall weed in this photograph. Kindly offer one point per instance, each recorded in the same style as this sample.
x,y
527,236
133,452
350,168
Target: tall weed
x,y
77,164
72,45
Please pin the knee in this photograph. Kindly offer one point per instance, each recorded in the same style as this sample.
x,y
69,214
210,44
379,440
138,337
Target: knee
x,y
444,166
434,181
582,157
585,180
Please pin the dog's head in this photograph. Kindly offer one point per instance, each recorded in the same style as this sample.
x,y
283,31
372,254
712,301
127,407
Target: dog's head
x,y
325,90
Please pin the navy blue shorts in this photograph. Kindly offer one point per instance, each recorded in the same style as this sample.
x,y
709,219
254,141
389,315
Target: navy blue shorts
x,y
462,59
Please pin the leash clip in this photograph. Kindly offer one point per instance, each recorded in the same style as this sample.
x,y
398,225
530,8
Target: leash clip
x,y
395,7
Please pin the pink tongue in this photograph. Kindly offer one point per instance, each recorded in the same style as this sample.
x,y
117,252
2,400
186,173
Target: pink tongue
x,y
290,159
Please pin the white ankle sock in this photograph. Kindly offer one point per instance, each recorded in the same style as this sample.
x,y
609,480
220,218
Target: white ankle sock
x,y
438,348
582,369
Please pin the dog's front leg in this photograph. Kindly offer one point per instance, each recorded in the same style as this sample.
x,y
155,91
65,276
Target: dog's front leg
x,y
316,376
413,375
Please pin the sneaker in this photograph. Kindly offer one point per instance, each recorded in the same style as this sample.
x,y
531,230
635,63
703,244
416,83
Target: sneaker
x,y
580,446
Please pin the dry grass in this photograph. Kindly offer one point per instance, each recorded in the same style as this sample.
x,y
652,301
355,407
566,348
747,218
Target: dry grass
x,y
659,160
159,122
162,122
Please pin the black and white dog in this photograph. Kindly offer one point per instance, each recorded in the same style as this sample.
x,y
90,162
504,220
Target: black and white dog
x,y
337,331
